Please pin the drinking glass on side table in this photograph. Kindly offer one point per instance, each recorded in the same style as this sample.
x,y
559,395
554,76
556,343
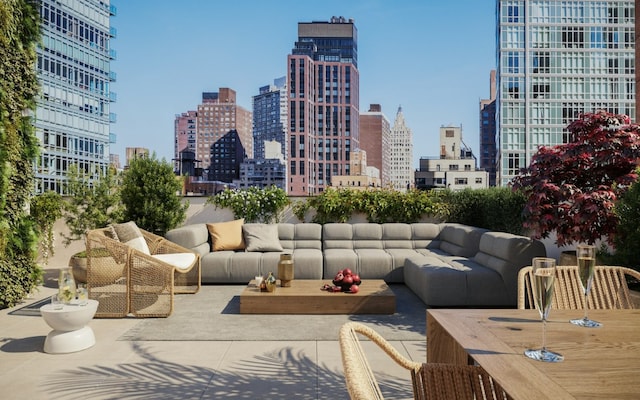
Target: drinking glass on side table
x,y
544,274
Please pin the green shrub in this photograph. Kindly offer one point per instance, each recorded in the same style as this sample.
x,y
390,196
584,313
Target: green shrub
x,y
379,205
253,204
495,208
627,236
150,195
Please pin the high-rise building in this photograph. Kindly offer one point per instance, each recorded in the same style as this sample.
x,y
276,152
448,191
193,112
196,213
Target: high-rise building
x,y
402,175
270,117
73,115
323,84
557,59
224,137
488,150
375,140
185,138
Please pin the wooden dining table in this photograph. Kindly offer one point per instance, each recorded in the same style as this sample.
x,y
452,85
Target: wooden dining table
x,y
601,363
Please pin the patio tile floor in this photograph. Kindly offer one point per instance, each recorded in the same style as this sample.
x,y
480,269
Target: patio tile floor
x,y
114,369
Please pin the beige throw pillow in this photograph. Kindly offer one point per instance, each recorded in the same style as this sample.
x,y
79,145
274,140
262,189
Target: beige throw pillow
x,y
261,237
226,235
129,234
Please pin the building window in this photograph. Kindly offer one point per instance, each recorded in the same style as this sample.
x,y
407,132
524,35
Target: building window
x,y
461,181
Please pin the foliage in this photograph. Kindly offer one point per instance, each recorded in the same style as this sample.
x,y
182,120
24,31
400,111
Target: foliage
x,y
92,203
333,205
45,209
379,205
627,237
572,188
497,208
253,204
382,206
150,194
20,30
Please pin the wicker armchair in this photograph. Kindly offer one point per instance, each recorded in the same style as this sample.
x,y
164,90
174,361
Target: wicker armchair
x,y
125,280
429,380
461,382
609,289
361,383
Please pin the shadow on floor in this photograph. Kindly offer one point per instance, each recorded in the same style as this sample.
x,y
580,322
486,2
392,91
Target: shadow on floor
x,y
279,374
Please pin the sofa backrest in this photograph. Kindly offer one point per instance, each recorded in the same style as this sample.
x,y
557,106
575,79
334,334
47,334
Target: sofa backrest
x,y
194,237
506,254
379,236
300,236
459,240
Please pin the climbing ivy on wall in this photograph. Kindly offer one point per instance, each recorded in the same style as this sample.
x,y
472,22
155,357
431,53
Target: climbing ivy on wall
x,y
19,33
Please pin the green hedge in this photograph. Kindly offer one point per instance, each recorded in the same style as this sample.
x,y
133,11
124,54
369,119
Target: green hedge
x,y
498,209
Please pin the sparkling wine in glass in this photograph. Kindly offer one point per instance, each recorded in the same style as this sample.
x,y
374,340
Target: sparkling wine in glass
x,y
544,274
586,255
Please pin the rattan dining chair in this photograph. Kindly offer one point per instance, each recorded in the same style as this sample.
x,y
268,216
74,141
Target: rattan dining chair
x,y
126,280
429,381
609,289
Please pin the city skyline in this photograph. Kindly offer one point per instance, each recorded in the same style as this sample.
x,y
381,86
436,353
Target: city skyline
x,y
165,62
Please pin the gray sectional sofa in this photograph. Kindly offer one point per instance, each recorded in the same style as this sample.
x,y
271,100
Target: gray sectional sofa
x,y
444,264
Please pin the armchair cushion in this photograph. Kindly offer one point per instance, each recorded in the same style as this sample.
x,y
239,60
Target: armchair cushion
x,y
179,260
129,234
226,235
261,237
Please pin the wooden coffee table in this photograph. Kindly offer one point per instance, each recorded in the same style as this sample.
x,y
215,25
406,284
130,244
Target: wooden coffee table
x,y
306,297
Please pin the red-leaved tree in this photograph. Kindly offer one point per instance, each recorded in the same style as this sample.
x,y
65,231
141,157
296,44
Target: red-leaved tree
x,y
572,187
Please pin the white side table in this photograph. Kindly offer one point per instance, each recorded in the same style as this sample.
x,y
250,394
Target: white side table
x,y
70,331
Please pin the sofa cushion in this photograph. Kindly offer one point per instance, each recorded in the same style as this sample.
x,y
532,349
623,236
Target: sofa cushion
x,y
337,236
460,240
191,236
226,235
261,237
129,234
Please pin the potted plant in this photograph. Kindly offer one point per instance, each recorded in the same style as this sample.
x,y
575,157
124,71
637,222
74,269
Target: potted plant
x,y
93,202
572,188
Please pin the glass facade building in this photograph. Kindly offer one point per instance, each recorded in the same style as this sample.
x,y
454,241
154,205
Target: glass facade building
x,y
270,117
73,115
555,60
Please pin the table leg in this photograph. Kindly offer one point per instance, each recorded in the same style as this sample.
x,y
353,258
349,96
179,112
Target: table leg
x,y
441,347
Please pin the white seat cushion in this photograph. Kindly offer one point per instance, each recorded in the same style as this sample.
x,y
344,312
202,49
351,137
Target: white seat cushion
x,y
178,260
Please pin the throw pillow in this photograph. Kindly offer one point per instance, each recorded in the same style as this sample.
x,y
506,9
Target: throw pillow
x,y
226,235
261,237
129,234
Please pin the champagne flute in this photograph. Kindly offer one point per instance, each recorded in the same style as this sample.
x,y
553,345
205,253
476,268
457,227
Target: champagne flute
x,y
586,255
544,274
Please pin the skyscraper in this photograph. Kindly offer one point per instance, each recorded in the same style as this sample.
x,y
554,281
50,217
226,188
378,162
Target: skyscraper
x,y
375,140
323,84
73,113
270,117
488,150
224,136
402,176
557,59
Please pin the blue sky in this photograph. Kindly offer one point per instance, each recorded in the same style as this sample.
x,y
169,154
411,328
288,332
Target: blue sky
x,y
431,57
